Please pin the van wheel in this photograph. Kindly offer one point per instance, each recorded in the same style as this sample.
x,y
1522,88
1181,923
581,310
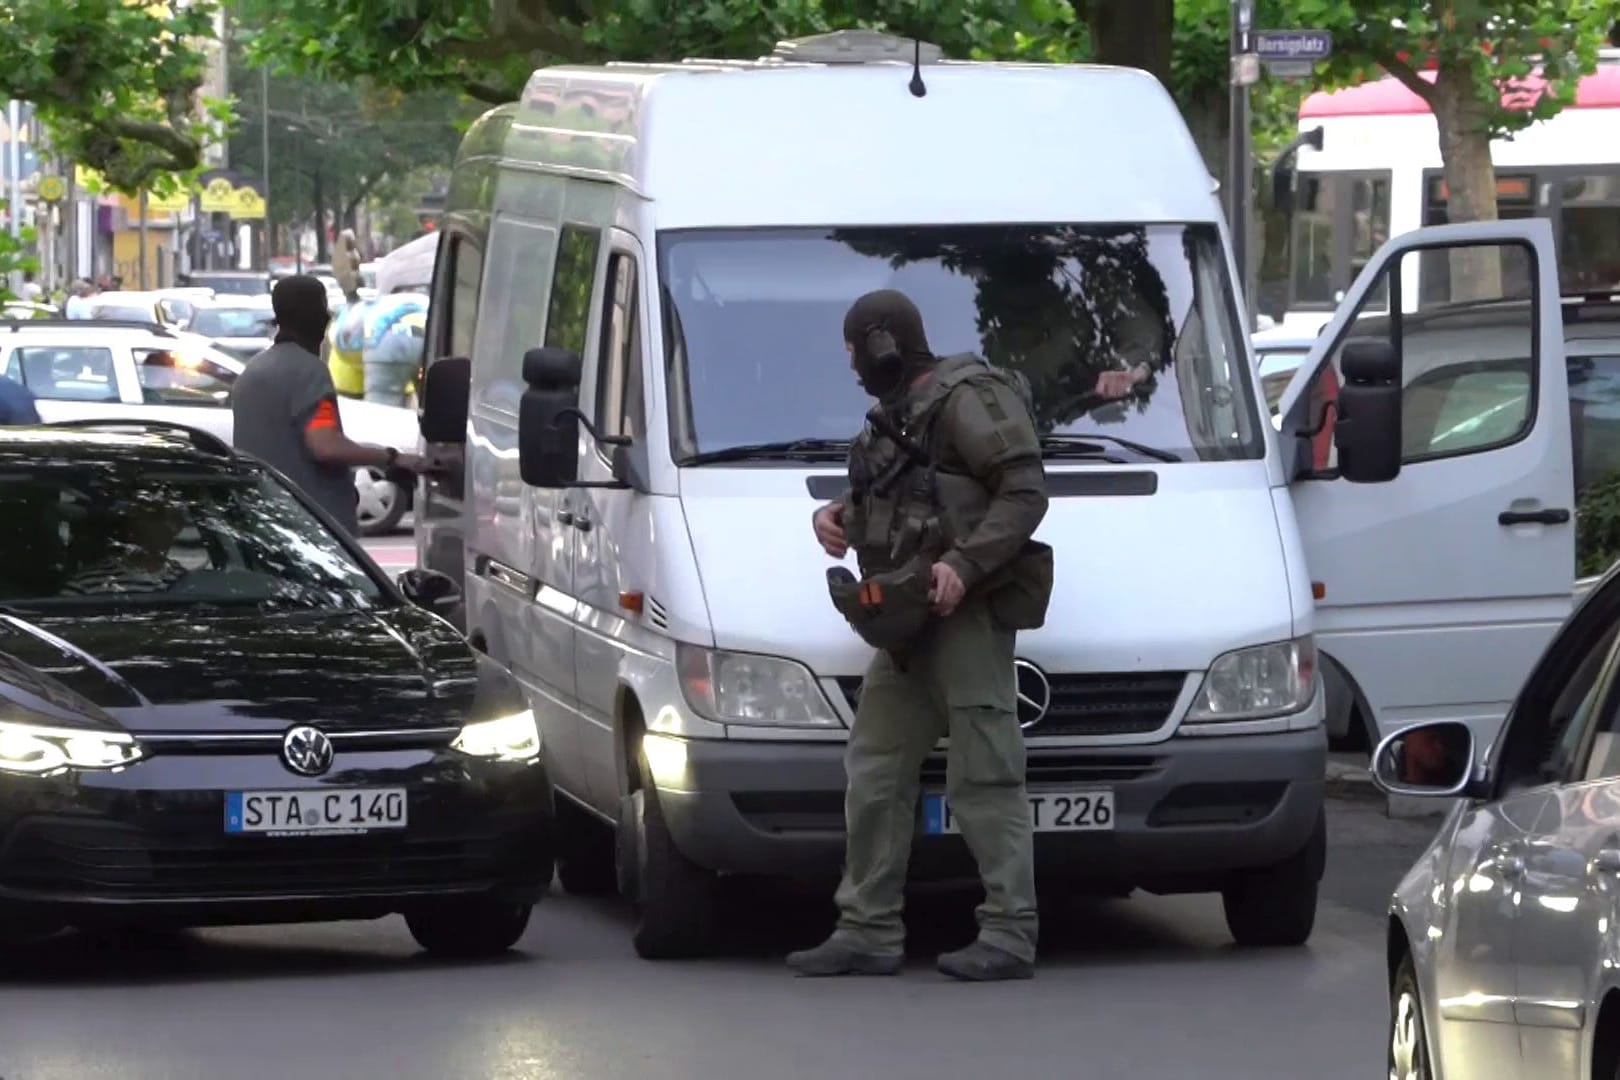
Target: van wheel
x,y
676,902
1276,905
585,854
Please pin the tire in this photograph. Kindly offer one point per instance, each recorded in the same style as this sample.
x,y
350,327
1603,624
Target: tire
x,y
1408,1042
470,928
586,863
382,504
676,902
1276,906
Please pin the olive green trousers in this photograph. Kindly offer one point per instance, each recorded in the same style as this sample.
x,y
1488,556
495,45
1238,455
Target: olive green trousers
x,y
958,682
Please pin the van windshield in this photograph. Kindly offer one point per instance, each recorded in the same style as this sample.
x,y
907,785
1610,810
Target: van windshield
x,y
1125,332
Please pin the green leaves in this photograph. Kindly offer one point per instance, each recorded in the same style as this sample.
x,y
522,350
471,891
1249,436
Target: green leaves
x,y
115,83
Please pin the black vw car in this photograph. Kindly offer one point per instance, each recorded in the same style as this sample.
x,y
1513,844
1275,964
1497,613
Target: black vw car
x,y
215,709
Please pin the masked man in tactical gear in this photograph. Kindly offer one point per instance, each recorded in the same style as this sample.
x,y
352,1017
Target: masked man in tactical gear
x,y
946,490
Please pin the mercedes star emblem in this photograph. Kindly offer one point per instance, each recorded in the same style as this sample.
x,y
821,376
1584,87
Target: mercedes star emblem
x,y
307,751
1034,693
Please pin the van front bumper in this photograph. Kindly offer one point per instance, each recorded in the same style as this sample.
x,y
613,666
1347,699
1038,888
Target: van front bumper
x,y
1187,811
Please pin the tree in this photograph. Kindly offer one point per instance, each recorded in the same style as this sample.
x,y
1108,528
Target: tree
x,y
334,146
115,83
1485,68
489,50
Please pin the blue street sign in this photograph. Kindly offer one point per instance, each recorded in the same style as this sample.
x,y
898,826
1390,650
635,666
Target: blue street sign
x,y
1274,45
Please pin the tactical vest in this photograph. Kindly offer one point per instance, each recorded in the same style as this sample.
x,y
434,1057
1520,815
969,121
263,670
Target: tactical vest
x,y
903,504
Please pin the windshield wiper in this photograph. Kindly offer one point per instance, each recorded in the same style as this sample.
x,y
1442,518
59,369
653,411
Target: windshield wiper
x,y
799,449
1084,446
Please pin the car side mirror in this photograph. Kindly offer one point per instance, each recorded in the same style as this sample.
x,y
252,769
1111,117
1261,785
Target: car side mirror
x,y
548,418
1434,760
1367,429
430,590
446,391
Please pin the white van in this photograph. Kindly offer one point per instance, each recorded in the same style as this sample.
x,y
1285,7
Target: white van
x,y
670,250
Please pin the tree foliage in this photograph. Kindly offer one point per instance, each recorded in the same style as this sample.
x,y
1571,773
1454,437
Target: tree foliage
x,y
115,83
334,145
1486,68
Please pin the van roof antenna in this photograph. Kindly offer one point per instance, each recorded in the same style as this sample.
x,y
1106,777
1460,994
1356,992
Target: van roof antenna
x,y
917,87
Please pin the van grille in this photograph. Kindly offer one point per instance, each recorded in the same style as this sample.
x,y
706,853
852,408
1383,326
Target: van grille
x,y
1093,704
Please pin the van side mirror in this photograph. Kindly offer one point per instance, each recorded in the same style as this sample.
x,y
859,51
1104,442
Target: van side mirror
x,y
1434,760
548,418
446,391
1282,188
1367,430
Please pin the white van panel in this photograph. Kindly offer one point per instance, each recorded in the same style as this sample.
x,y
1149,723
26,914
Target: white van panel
x,y
1165,582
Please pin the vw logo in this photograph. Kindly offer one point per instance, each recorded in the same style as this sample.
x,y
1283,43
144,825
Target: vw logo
x,y
307,751
1034,693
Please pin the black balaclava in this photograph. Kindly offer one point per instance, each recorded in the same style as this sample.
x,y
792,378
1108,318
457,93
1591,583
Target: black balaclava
x,y
887,314
301,313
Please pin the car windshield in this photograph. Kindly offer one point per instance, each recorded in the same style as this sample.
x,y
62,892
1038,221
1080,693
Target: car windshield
x,y
233,286
1122,331
116,534
233,322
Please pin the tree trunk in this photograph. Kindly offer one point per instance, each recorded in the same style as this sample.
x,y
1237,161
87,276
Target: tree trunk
x,y
1131,33
1470,176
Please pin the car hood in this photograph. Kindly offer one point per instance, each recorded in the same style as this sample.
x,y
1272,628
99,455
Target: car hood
x,y
187,672
1158,582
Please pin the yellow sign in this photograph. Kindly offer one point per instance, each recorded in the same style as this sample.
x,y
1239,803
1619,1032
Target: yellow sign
x,y
247,205
219,196
167,204
51,188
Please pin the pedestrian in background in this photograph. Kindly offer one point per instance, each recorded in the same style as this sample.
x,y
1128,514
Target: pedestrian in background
x,y
285,408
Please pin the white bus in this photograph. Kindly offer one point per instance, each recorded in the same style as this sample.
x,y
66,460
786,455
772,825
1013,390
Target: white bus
x,y
1378,174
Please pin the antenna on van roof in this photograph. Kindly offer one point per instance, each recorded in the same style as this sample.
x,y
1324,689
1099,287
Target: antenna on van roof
x,y
917,87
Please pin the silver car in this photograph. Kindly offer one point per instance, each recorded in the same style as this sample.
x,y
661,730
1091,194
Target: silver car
x,y
1504,938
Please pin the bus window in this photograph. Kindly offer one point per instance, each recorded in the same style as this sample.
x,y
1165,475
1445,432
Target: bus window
x,y
1589,234
1515,198
1342,220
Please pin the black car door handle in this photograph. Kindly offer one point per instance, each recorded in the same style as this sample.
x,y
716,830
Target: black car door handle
x,y
1533,517
582,523
564,517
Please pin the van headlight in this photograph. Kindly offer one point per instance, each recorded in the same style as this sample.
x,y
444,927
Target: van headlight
x,y
35,750
515,737
745,688
1252,684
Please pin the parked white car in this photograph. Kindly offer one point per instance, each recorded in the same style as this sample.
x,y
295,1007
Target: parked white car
x,y
89,370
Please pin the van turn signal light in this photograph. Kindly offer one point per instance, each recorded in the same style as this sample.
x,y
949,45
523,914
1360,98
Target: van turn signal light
x,y
1318,590
631,602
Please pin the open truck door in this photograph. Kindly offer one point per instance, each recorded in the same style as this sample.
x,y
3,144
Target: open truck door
x,y
1427,442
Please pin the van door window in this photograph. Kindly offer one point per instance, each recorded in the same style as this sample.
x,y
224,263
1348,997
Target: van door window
x,y
568,316
619,389
466,277
1468,353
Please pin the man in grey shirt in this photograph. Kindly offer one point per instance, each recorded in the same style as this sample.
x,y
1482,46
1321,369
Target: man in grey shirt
x,y
286,413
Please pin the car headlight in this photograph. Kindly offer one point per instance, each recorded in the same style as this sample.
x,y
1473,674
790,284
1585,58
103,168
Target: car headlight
x,y
1252,684
35,750
744,688
507,738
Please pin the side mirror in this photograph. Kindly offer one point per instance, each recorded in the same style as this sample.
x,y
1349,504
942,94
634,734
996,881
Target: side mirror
x,y
548,418
446,391
1434,760
430,590
1367,430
